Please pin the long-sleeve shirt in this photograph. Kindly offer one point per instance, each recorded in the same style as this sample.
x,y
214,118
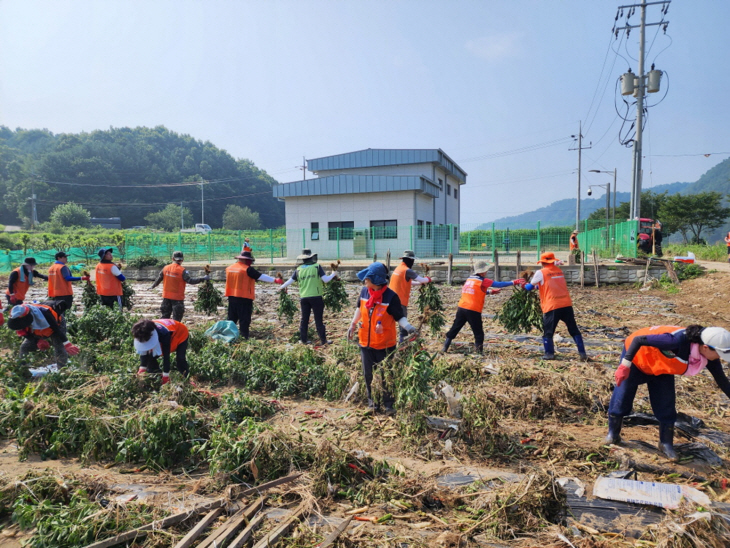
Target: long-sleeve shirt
x,y
187,278
53,324
14,277
678,344
66,274
115,271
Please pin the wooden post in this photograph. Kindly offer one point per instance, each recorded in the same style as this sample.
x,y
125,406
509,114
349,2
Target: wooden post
x,y
449,270
196,531
670,270
646,273
375,257
497,273
519,262
595,267
582,269
387,260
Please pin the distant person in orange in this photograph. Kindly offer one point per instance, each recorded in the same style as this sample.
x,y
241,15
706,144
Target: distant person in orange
x,y
556,305
727,241
20,281
241,280
154,338
109,280
574,246
60,289
401,281
174,279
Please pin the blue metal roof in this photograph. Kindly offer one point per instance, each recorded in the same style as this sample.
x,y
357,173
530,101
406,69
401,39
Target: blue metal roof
x,y
356,184
374,157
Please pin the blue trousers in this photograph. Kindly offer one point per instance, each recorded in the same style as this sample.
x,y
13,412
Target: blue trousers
x,y
661,395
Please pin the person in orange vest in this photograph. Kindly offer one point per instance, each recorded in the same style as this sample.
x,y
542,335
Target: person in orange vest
x,y
653,356
60,289
174,278
154,338
241,280
20,281
109,280
378,311
556,305
574,247
471,303
402,279
37,323
727,242
246,246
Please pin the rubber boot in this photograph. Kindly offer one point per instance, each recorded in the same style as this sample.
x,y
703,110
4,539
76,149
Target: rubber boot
x,y
666,441
447,343
581,348
549,346
615,422
479,348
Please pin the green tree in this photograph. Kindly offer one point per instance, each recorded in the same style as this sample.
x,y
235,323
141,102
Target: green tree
x,y
651,203
693,213
169,218
240,218
71,214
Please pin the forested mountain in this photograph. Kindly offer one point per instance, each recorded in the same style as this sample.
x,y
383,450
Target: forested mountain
x,y
127,173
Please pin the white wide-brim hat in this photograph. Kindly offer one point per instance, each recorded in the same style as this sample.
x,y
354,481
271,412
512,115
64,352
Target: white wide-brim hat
x,y
144,347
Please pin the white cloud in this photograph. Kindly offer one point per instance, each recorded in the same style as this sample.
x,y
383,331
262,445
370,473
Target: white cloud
x,y
496,46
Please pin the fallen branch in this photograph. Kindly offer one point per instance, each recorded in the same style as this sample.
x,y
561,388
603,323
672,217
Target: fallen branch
x,y
274,536
196,531
261,488
333,536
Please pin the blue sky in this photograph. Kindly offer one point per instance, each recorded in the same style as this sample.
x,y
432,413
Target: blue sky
x,y
273,81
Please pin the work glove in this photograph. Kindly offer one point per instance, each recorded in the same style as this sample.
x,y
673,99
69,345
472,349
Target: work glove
x,y
278,281
23,332
119,266
165,378
351,331
141,371
622,373
86,278
429,279
43,344
410,329
493,290
71,349
518,281
2,319
12,299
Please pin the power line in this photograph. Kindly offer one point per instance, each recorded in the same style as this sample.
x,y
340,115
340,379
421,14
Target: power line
x,y
156,204
528,148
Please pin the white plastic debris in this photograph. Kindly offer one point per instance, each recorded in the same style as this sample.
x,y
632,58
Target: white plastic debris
x,y
43,371
663,495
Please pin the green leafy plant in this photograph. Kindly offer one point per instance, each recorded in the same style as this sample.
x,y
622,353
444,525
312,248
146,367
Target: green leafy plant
x,y
209,298
287,307
431,306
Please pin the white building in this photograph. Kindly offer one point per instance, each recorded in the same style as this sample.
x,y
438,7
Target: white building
x,y
373,200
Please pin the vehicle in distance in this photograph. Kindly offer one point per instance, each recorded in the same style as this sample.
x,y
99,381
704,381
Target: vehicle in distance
x,y
200,228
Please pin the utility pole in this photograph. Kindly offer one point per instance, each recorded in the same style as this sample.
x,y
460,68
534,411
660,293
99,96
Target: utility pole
x,y
303,167
637,85
579,149
202,204
182,220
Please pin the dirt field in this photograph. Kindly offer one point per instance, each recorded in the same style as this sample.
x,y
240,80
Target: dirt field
x,y
487,479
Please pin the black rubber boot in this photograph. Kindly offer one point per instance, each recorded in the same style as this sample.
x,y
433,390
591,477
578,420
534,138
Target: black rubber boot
x,y
615,422
447,343
666,441
479,348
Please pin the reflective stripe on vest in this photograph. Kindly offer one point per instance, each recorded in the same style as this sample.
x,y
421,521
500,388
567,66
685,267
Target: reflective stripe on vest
x,y
178,329
310,284
472,296
173,285
57,285
20,288
553,289
653,361
238,282
400,285
47,332
107,284
370,318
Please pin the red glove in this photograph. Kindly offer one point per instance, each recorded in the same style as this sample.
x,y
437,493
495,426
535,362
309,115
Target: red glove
x,y
141,371
2,319
165,378
278,281
86,278
518,281
23,332
429,279
71,349
43,344
12,299
621,374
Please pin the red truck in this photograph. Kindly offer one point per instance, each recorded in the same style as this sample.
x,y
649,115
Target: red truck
x,y
649,239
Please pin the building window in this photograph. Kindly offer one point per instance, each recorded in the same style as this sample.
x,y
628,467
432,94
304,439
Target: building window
x,y
448,190
419,230
341,230
428,229
456,193
441,184
315,231
456,231
384,230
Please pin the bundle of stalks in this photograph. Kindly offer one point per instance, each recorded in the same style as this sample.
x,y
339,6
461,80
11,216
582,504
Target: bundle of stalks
x,y
287,306
209,298
521,313
430,305
335,294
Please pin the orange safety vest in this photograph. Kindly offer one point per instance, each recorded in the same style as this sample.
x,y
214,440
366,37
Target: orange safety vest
x,y
57,285
653,361
20,288
238,282
47,332
573,243
370,318
173,285
107,284
178,329
400,285
472,296
553,289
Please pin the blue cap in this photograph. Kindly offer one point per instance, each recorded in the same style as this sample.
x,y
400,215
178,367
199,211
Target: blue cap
x,y
377,272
